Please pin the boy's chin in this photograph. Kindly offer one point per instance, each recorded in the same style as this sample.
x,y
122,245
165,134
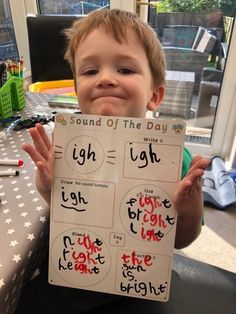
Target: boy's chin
x,y
108,111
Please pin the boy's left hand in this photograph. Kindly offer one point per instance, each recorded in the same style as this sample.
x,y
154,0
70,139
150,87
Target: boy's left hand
x,y
188,194
188,202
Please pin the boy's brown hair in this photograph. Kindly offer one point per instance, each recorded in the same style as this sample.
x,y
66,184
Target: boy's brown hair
x,y
117,22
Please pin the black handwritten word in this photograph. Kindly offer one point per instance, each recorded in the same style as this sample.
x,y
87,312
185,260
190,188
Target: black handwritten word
x,y
72,199
127,271
142,288
63,264
85,259
83,155
144,156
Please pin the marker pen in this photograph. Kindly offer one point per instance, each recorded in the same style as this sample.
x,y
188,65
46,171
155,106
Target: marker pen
x,y
12,162
8,173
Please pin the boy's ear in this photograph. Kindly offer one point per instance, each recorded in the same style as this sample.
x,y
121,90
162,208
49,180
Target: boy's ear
x,y
157,97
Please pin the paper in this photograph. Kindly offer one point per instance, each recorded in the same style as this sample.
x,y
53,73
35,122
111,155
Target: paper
x,y
112,216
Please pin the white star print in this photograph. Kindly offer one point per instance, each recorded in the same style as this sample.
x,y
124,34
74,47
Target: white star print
x,y
13,243
7,221
2,194
4,202
6,211
43,219
26,178
13,182
32,191
18,196
2,283
35,199
38,208
24,214
29,184
10,231
21,205
16,189
16,258
27,224
30,236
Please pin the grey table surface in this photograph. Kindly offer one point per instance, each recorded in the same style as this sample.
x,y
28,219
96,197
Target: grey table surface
x,y
24,215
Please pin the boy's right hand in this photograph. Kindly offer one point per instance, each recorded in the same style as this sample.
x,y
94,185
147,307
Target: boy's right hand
x,y
42,153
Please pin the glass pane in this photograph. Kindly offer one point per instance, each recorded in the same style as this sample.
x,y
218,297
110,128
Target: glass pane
x,y
195,38
8,48
71,6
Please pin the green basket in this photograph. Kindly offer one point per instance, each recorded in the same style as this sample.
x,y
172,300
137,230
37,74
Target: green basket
x,y
12,97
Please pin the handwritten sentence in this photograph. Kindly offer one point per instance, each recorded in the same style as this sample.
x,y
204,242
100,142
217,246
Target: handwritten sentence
x,y
132,268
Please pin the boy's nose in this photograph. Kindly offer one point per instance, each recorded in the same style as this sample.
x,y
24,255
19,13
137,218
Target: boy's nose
x,y
106,79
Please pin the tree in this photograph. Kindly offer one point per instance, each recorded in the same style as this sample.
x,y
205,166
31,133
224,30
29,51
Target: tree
x,y
227,6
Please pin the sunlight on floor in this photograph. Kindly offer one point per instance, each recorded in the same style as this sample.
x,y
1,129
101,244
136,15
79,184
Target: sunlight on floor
x,y
211,248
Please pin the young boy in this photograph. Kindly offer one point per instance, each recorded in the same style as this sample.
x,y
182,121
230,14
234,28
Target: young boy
x,y
119,70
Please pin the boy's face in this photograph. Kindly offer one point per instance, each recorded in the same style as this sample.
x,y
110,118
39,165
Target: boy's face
x,y
114,78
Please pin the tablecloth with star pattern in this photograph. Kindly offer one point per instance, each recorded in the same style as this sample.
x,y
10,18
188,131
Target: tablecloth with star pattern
x,y
24,215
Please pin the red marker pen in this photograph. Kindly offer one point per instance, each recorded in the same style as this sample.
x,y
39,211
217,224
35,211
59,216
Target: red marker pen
x,y
12,162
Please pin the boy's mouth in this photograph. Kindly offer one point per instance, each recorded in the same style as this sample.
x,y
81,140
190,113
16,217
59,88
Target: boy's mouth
x,y
107,96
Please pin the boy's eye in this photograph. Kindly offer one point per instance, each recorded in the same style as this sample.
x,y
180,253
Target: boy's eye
x,y
90,72
126,71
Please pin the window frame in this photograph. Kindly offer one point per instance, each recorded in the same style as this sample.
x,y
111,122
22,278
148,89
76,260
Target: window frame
x,y
224,128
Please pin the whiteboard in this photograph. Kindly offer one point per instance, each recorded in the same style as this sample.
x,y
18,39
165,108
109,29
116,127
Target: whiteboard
x,y
112,216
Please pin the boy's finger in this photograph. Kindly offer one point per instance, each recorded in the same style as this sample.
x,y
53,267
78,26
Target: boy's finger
x,y
43,135
39,144
31,151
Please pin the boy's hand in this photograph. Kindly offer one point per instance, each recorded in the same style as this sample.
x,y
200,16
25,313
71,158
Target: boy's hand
x,y
42,153
188,201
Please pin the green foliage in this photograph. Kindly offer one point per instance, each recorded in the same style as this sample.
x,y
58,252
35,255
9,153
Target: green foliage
x,y
202,6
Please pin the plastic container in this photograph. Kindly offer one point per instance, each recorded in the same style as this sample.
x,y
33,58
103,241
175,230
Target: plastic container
x,y
12,97
65,87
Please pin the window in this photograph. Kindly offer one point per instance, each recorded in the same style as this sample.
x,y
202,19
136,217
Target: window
x,y
8,47
71,6
218,139
197,44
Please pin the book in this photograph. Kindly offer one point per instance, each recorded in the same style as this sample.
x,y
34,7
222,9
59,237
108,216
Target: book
x,y
64,101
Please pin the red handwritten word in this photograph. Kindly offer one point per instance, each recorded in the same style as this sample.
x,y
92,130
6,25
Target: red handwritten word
x,y
82,258
83,269
151,201
135,260
89,245
154,219
151,235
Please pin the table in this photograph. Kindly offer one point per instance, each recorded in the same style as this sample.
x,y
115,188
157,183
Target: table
x,y
178,94
24,215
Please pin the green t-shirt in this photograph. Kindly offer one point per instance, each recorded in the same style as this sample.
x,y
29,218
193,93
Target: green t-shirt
x,y
187,158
